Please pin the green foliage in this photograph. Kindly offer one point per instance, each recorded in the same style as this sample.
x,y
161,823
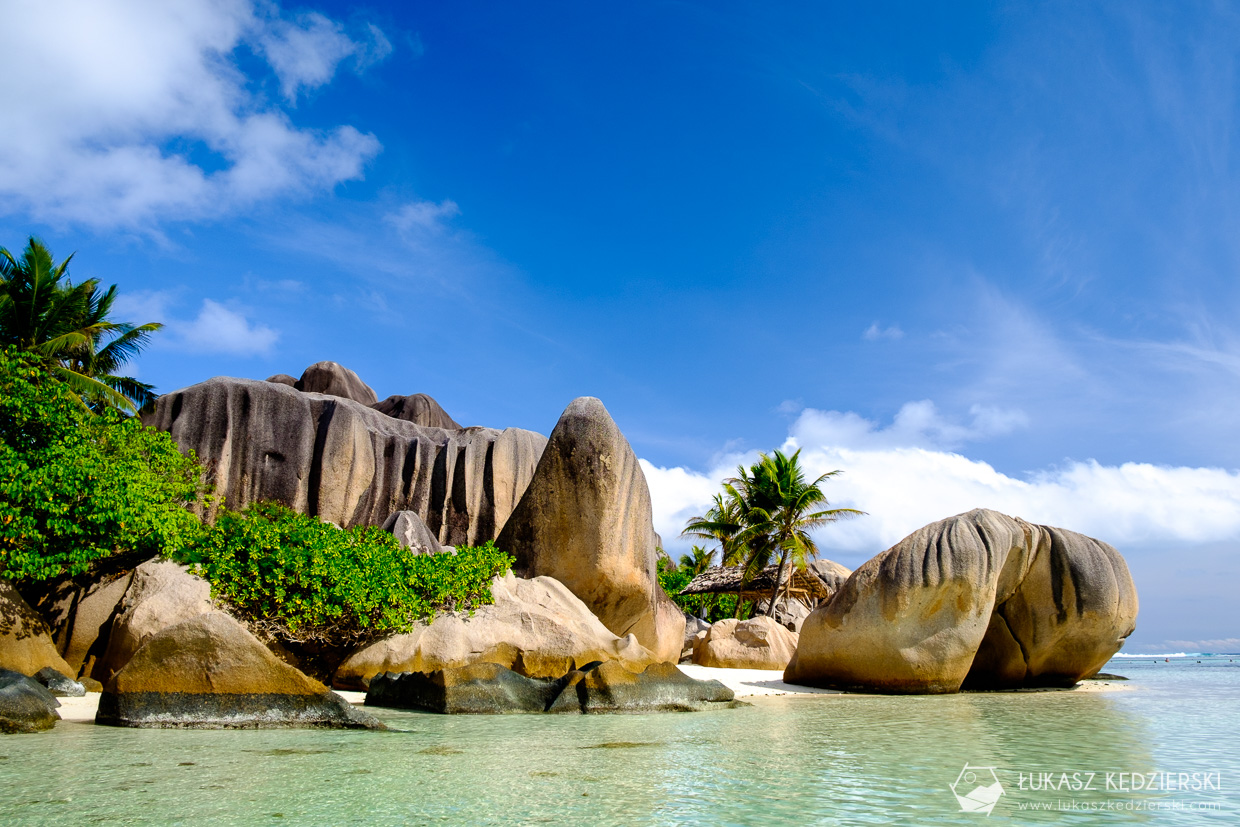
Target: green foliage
x,y
67,326
75,487
307,579
673,578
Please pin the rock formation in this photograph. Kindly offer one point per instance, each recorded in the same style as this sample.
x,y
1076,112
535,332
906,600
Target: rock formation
x,y
585,520
335,380
209,672
283,379
596,687
419,409
25,640
831,573
411,532
348,463
25,705
476,689
58,683
609,687
160,594
757,643
538,628
81,611
981,599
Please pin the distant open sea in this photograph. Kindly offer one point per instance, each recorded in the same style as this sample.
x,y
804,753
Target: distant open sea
x,y
1164,751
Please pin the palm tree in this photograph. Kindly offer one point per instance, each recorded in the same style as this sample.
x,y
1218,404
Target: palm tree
x,y
697,560
780,513
724,523
67,325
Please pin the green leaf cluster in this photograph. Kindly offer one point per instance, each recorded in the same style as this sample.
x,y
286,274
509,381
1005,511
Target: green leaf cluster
x,y
76,487
673,578
305,579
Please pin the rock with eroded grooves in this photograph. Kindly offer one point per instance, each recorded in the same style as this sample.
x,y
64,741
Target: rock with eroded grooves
x,y
25,640
209,672
419,409
980,599
537,627
758,643
335,379
586,520
348,463
25,705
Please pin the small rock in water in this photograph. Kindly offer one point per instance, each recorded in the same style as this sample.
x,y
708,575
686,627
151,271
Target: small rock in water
x,y
59,685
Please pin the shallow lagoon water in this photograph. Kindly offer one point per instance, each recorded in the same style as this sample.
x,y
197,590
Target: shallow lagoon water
x,y
825,759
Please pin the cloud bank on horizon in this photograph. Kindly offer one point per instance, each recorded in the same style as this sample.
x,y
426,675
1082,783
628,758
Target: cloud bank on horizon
x,y
904,476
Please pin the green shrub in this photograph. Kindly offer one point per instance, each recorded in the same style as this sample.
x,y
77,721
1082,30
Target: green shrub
x,y
673,578
76,487
306,579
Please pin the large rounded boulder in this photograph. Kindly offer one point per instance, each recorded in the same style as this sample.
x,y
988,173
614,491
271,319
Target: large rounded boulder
x,y
335,380
758,643
980,598
209,672
586,520
419,409
537,628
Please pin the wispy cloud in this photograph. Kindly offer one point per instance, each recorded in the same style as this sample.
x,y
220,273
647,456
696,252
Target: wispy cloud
x,y
873,333
128,114
217,328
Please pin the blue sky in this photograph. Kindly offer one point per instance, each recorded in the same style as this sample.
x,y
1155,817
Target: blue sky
x,y
977,257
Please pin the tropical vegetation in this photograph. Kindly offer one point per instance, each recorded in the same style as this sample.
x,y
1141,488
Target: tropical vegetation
x,y
68,327
305,580
765,516
76,487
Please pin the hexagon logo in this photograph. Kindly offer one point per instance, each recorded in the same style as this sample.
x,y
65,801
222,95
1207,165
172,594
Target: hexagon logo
x,y
977,789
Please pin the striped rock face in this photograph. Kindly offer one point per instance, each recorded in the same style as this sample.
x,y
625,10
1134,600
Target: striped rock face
x,y
348,463
979,600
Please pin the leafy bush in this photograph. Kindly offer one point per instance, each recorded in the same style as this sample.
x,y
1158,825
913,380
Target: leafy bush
x,y
673,578
76,487
306,579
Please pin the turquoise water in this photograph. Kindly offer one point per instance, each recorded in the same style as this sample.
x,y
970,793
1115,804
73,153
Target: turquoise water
x,y
784,760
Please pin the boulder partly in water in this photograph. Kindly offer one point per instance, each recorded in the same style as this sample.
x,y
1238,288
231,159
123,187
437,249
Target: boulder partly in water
x,y
488,688
25,704
209,672
980,600
537,628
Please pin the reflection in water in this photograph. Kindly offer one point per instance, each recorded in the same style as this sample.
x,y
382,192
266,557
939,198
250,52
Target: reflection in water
x,y
826,759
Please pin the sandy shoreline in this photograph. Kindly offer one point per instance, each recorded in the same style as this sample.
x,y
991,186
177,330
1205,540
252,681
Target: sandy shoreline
x,y
746,683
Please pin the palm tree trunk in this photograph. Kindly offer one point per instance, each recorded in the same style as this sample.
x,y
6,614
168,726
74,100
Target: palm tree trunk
x,y
779,575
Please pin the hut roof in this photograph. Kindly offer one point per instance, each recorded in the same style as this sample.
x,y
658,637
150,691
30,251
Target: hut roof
x,y
730,579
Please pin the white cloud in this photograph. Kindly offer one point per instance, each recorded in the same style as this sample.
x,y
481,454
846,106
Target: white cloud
x,y
916,424
419,217
874,332
305,52
216,329
904,479
131,112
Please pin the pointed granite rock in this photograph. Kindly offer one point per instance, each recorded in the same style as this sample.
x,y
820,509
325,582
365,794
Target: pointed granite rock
x,y
586,521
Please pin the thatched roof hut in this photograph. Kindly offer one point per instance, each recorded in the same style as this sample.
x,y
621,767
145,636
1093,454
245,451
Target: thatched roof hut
x,y
805,586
